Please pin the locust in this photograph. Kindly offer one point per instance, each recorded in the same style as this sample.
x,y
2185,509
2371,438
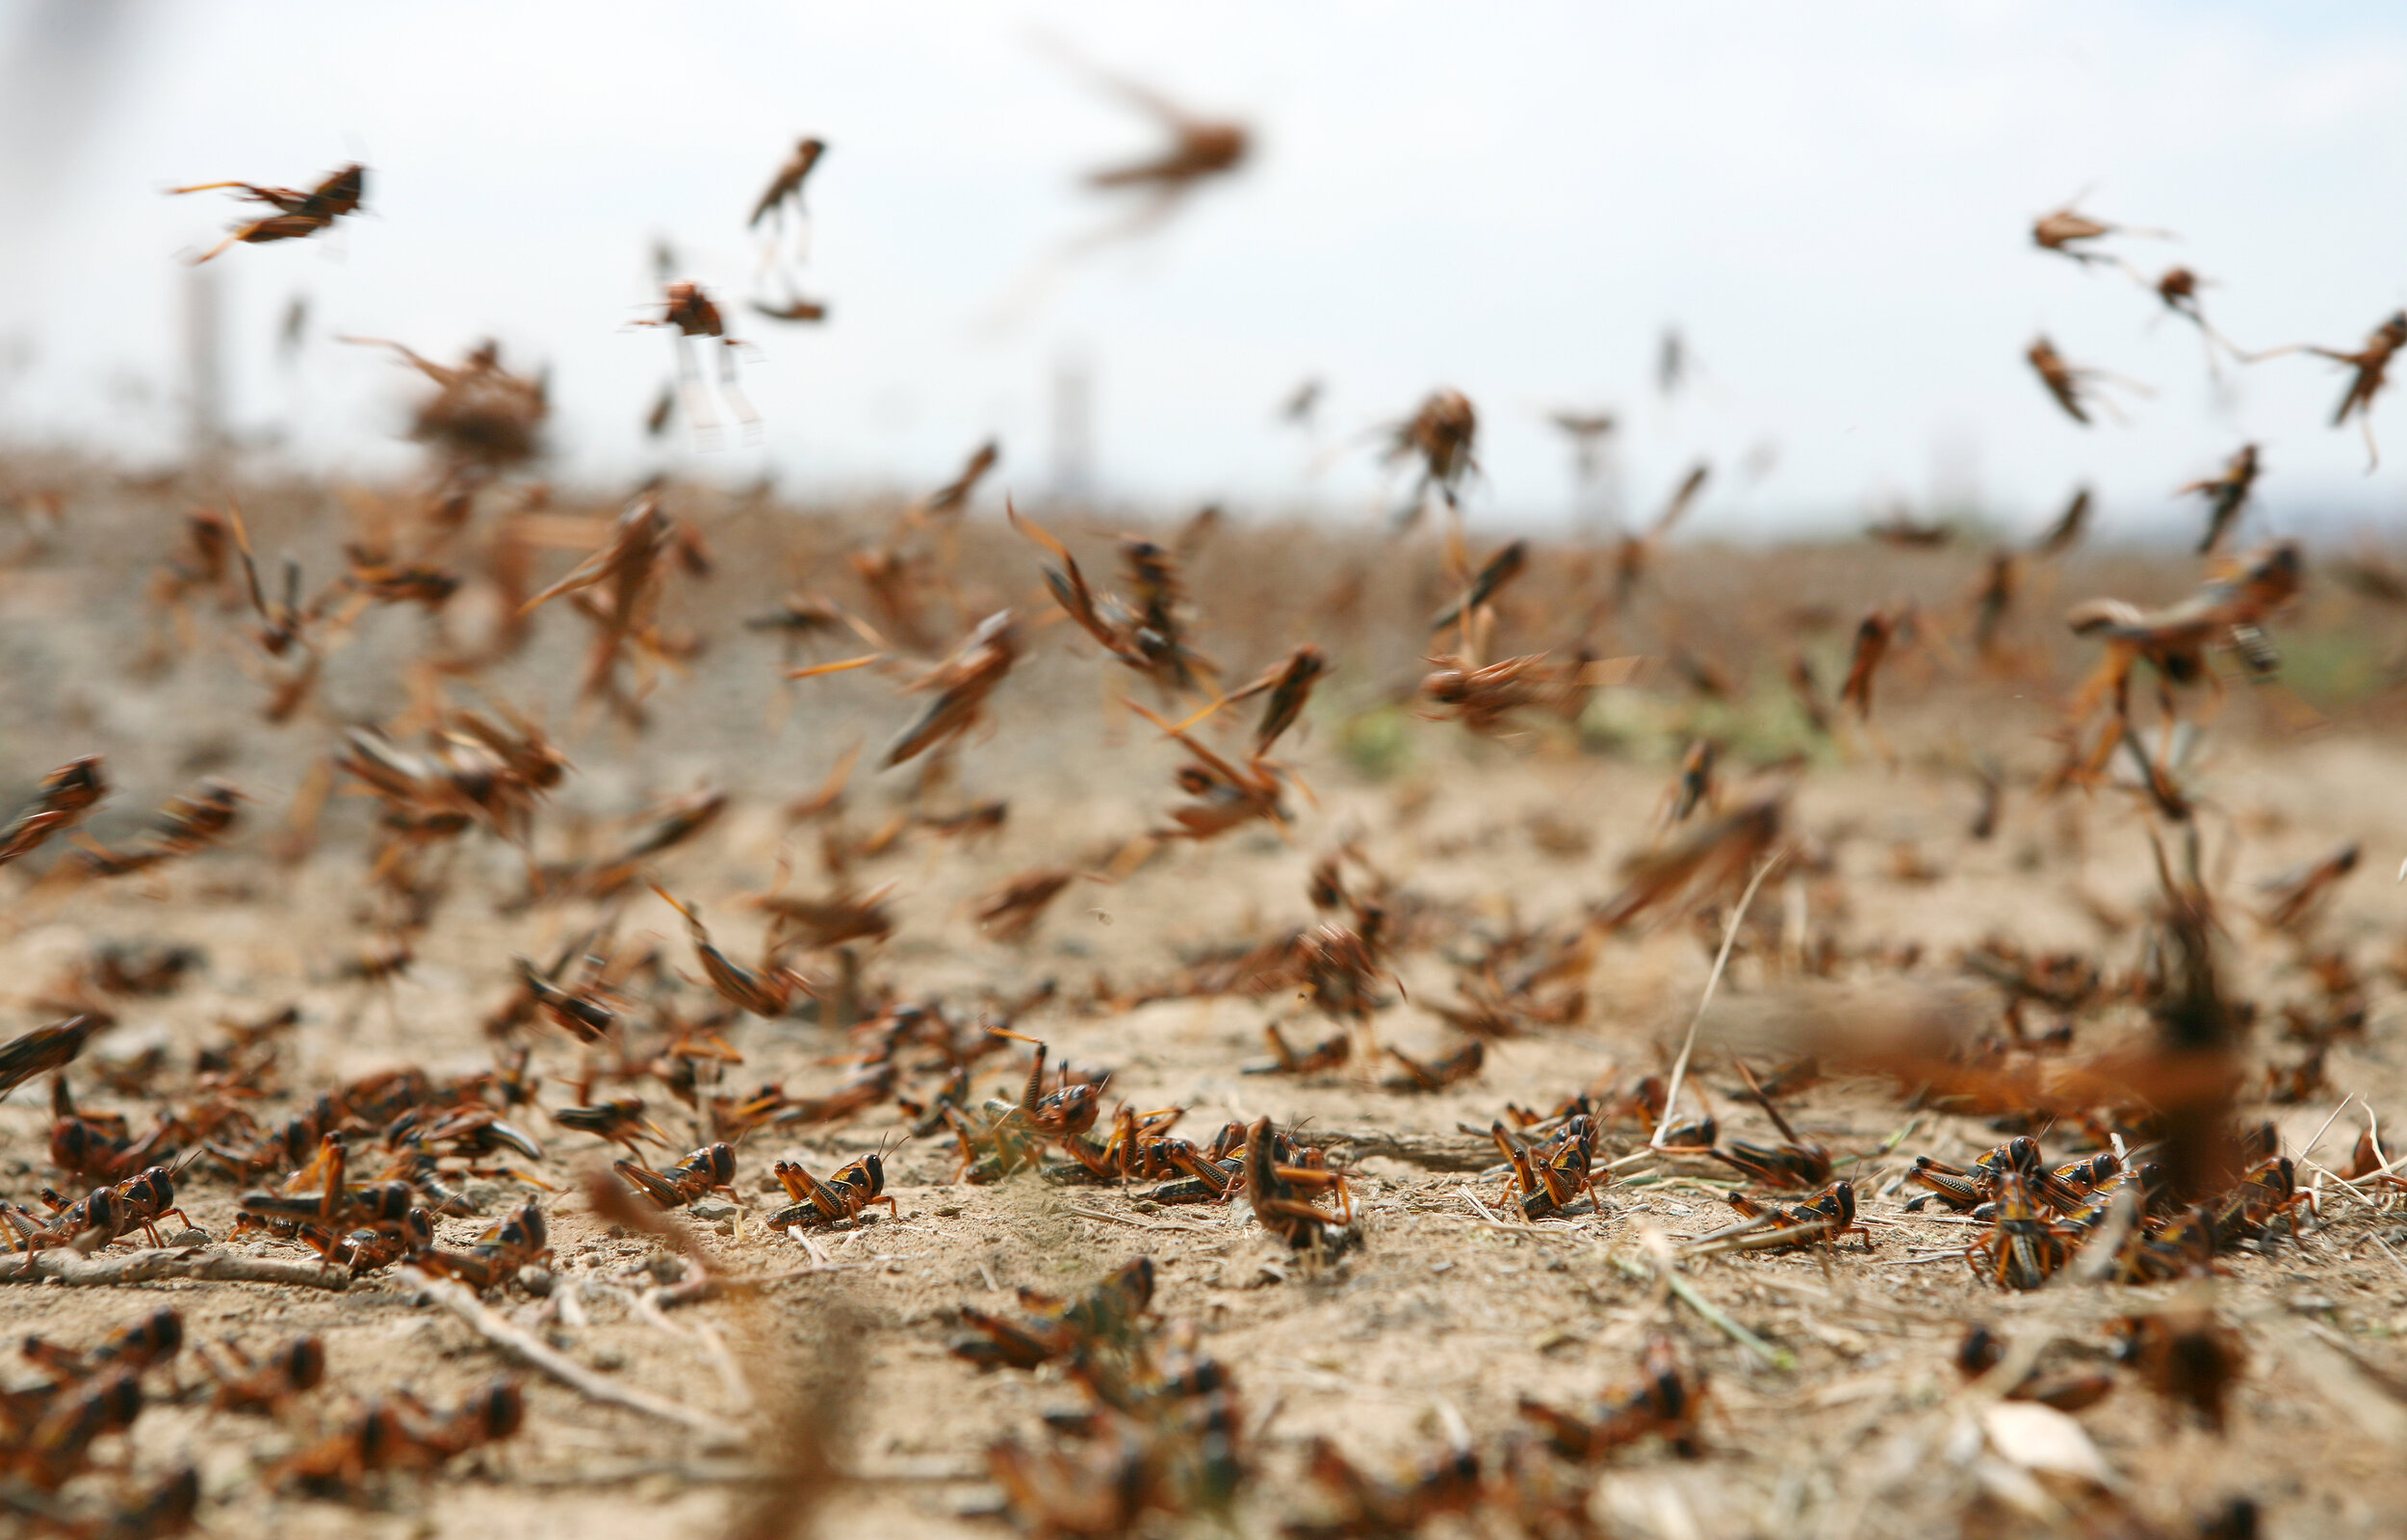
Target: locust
x,y
2226,495
1666,1401
766,991
706,1169
2070,384
1440,434
299,212
59,802
842,1197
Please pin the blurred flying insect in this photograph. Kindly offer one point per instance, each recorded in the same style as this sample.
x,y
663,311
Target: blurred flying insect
x,y
1148,636
1902,530
1331,1053
482,418
2373,366
2176,290
690,312
262,1385
44,1050
2066,533
620,1121
59,801
2071,384
1010,910
2294,897
1499,570
1360,1505
576,1011
1672,362
1712,858
795,310
1486,699
1634,554
1200,149
1288,685
961,684
190,822
2226,495
2069,232
785,188
148,1340
1666,1399
954,496
2228,610
766,992
1807,686
284,624
1695,787
2191,1359
1982,1350
1303,402
1441,433
1437,1074
1993,600
628,572
1873,635
297,214
1225,795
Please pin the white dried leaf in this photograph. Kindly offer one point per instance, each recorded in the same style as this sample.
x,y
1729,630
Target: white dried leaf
x,y
2041,1438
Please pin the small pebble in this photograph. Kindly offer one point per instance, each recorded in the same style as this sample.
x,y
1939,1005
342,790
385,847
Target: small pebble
x,y
188,1237
483,1194
536,1281
713,1208
609,1360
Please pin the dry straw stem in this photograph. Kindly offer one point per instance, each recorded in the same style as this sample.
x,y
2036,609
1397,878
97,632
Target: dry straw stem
x,y
526,1350
1632,1268
2095,1262
1420,1149
1713,980
1139,1224
1760,1240
64,1265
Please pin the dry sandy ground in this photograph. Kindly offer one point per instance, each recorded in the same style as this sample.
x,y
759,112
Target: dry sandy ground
x,y
1861,1430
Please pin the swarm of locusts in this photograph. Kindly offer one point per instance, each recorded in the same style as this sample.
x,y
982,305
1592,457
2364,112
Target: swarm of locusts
x,y
646,1098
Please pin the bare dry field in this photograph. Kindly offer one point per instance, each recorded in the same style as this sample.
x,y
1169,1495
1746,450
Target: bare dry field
x,y
827,1396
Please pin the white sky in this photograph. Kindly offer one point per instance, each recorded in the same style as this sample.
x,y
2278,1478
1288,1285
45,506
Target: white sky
x,y
1830,200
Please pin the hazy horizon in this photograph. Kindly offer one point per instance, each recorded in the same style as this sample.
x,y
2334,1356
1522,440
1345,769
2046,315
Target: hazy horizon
x,y
1833,210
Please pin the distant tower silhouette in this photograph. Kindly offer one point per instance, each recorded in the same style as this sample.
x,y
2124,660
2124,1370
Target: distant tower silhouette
x,y
1074,428
204,365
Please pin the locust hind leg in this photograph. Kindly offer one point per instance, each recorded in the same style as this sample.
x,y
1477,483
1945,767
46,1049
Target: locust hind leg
x,y
733,392
698,400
